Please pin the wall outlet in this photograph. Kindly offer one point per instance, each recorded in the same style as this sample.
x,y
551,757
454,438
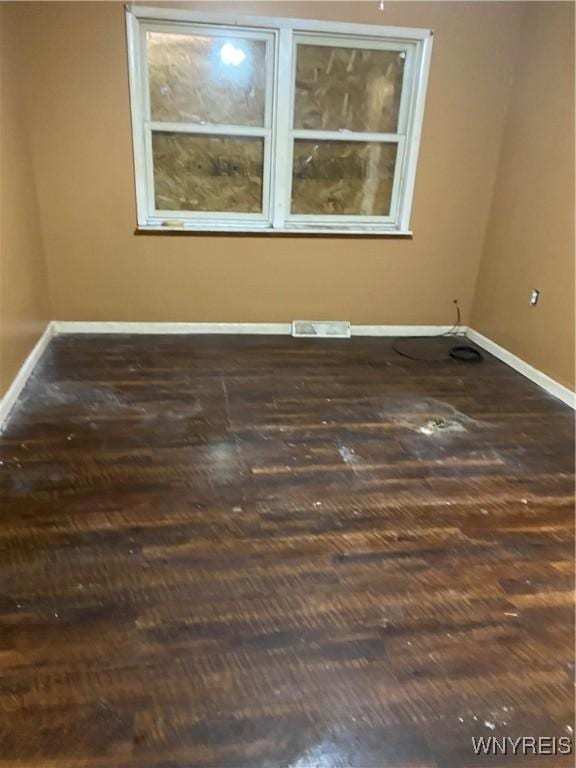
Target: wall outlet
x,y
534,296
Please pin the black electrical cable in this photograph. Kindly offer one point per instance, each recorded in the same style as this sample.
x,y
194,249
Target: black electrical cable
x,y
461,352
466,354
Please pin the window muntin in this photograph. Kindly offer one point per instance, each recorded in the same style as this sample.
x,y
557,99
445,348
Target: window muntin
x,y
274,124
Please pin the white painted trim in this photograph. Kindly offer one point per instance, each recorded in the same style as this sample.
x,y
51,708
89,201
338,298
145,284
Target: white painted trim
x,y
403,330
14,390
345,135
137,117
173,225
275,329
243,131
73,326
281,184
280,22
538,377
414,131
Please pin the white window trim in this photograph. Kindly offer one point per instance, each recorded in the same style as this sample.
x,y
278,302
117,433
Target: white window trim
x,y
278,134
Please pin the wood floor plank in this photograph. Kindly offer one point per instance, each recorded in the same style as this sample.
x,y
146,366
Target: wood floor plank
x,y
260,552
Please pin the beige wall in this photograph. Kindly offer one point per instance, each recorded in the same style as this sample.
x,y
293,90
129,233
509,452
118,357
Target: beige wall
x,y
24,306
530,234
494,192
77,90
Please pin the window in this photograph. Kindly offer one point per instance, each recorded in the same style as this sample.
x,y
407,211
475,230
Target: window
x,y
274,125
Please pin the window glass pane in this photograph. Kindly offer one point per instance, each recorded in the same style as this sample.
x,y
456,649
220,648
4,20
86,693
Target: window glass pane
x,y
342,177
195,78
207,173
352,88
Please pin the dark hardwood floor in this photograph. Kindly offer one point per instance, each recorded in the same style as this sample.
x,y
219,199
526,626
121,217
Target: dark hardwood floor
x,y
269,553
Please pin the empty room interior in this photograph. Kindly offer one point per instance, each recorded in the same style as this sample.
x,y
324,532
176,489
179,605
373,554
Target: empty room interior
x,y
287,384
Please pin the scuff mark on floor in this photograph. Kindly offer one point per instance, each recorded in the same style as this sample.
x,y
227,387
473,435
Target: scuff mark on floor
x,y
348,455
433,417
440,424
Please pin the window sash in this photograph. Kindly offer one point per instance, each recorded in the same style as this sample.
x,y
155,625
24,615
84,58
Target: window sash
x,y
282,37
351,42
203,128
293,219
364,42
184,215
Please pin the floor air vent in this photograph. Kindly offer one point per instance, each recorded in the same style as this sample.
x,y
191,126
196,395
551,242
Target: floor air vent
x,y
321,329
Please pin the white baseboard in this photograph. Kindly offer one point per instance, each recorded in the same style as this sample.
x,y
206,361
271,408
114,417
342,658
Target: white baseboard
x,y
14,390
542,379
276,329
404,330
74,326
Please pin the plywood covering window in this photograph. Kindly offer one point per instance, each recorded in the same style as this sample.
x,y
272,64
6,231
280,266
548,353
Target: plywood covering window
x,y
274,125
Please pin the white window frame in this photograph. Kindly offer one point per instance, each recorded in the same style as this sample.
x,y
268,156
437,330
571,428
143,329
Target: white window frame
x,y
283,35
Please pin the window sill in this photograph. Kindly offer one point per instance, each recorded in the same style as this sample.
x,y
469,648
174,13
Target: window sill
x,y
156,229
